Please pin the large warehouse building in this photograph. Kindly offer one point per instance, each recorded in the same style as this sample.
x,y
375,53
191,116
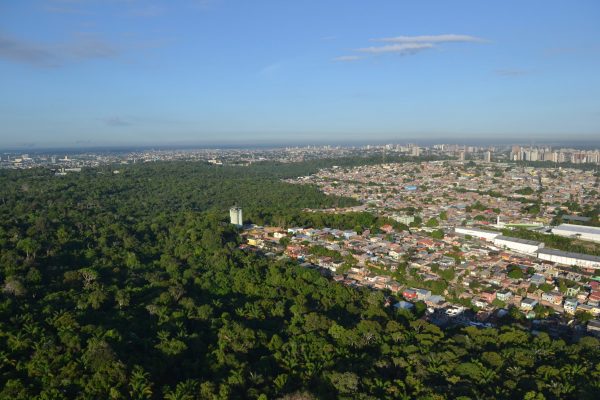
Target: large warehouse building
x,y
578,231
567,258
533,248
524,246
477,233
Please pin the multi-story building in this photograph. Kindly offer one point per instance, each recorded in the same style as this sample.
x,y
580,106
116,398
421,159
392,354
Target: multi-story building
x,y
570,305
553,297
504,296
235,215
528,304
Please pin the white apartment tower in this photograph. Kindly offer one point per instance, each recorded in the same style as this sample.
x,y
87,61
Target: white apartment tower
x,y
235,215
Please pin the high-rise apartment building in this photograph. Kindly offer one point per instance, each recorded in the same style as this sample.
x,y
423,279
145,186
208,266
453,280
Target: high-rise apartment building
x,y
235,215
516,154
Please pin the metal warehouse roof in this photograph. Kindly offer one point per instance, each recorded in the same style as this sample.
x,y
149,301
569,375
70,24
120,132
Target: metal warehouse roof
x,y
477,230
578,229
569,254
518,240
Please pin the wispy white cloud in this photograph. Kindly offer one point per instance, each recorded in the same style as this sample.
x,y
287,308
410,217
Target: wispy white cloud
x,y
402,48
409,45
347,58
430,39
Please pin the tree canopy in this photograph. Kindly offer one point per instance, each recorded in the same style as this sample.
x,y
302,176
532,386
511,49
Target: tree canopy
x,y
133,286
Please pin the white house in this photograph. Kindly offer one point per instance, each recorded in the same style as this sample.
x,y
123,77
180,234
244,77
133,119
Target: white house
x,y
570,305
528,304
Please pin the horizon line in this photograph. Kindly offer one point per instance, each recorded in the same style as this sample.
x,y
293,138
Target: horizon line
x,y
278,144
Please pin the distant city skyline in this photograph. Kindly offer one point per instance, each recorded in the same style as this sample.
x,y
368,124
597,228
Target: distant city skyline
x,y
591,142
63,161
575,152
85,73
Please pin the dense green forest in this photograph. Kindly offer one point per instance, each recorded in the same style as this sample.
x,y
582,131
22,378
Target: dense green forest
x,y
132,286
357,221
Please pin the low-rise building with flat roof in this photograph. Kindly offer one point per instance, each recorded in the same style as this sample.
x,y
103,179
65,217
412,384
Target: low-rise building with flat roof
x,y
590,233
528,304
570,305
568,258
529,247
478,233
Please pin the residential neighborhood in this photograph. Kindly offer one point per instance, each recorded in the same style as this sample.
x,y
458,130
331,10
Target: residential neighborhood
x,y
446,247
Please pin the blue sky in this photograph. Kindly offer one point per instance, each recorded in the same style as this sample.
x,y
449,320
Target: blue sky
x,y
122,72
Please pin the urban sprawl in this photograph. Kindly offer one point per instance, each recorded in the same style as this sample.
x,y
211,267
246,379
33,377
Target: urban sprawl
x,y
468,230
72,160
451,246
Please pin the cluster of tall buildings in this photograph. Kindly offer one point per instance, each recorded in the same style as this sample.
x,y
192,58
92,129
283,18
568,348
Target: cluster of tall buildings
x,y
519,153
459,147
486,155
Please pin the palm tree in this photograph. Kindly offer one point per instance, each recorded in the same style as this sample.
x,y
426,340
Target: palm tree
x,y
398,390
29,246
570,371
561,388
255,378
280,381
434,363
541,351
183,391
140,388
19,341
236,377
486,376
516,372
381,388
5,360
